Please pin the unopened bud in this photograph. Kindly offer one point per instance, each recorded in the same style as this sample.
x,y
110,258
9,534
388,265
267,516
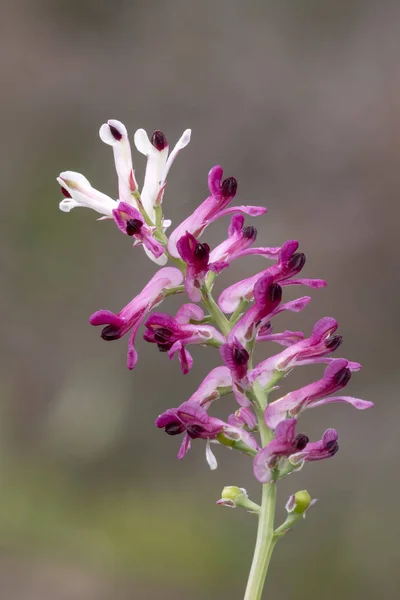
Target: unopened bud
x,y
233,496
296,507
299,502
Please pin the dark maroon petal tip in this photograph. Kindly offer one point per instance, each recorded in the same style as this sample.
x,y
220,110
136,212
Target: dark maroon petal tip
x,y
65,192
275,292
162,335
201,252
110,333
297,262
343,377
333,342
229,187
332,447
115,133
240,356
174,428
133,226
249,232
300,441
194,431
159,140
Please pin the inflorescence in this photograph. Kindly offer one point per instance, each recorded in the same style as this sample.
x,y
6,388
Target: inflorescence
x,y
240,318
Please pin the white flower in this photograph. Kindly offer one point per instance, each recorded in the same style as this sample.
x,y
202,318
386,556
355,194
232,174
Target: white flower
x,y
158,165
78,192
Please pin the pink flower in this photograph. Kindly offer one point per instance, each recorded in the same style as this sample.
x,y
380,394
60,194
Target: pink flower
x,y
238,243
130,317
172,335
267,295
236,358
287,446
214,207
196,256
288,265
130,221
336,376
191,419
286,442
323,341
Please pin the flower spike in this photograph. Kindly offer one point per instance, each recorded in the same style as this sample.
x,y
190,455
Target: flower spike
x,y
262,429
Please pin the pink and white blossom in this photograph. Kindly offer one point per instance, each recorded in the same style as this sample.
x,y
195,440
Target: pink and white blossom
x,y
78,191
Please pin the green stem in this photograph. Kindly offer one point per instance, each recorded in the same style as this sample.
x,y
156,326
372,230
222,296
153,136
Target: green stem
x,y
265,534
264,545
219,318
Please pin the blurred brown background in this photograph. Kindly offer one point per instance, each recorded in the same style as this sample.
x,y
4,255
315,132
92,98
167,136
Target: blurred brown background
x,y
300,100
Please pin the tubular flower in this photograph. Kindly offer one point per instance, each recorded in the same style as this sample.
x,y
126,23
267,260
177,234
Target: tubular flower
x,y
193,420
190,418
336,376
289,264
268,460
131,317
236,358
173,335
323,341
292,448
324,448
114,133
130,221
196,256
222,192
238,243
159,163
78,192
268,296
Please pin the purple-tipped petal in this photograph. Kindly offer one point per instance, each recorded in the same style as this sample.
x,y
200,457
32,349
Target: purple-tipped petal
x,y
132,315
114,133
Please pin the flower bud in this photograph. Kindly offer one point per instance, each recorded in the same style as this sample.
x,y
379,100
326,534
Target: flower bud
x,y
233,496
296,507
299,502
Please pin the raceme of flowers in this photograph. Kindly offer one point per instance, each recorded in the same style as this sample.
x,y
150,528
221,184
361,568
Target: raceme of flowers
x,y
232,325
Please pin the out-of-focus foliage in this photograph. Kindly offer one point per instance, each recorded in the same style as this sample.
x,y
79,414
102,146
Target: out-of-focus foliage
x,y
298,100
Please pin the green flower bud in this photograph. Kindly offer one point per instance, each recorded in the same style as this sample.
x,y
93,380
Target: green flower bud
x,y
233,496
296,507
299,502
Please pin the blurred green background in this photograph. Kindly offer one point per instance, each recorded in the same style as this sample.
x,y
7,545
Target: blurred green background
x,y
300,100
